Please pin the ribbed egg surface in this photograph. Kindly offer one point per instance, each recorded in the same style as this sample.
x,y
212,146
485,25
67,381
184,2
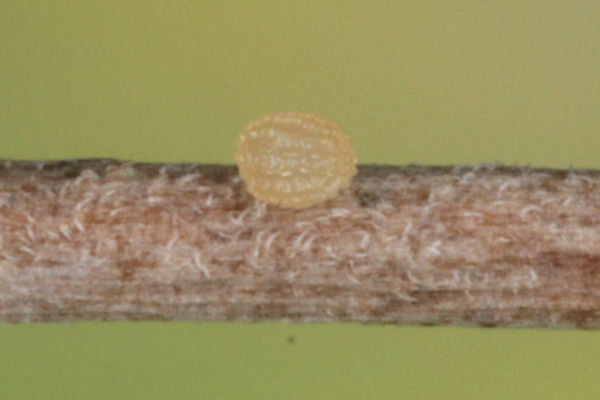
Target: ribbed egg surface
x,y
295,160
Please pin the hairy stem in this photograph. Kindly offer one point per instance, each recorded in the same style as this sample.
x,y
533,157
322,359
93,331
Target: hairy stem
x,y
486,246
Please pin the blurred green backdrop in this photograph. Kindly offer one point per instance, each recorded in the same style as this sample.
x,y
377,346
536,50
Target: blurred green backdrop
x,y
431,82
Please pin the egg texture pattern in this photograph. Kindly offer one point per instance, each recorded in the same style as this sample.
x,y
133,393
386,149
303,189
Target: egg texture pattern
x,y
295,160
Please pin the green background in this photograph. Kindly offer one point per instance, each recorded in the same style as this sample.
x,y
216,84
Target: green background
x,y
430,82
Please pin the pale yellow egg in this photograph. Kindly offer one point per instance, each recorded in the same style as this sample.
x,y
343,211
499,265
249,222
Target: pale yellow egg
x,y
295,160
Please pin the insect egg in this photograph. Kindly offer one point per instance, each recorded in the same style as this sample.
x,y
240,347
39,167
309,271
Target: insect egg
x,y
295,160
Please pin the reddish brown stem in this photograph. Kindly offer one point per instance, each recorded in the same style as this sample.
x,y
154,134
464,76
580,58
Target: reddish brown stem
x,y
486,245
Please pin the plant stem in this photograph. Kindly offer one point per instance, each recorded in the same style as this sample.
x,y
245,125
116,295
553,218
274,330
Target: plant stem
x,y
485,246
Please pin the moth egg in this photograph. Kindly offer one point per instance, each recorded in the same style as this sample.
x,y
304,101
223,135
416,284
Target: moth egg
x,y
295,160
